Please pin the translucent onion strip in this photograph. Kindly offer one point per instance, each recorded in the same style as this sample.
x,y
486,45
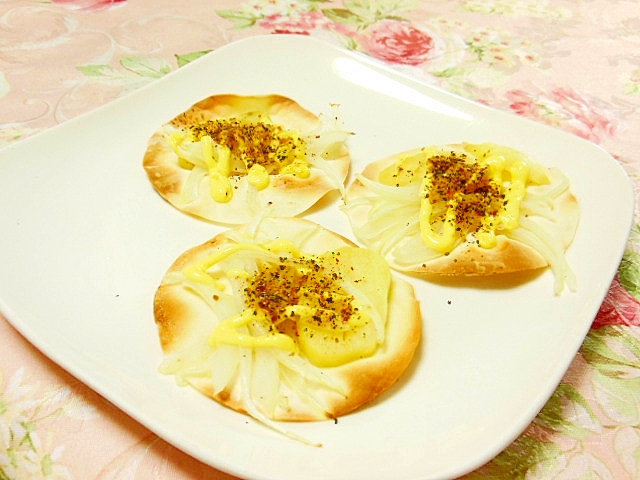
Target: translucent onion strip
x,y
224,366
533,235
309,372
246,375
408,193
191,187
265,380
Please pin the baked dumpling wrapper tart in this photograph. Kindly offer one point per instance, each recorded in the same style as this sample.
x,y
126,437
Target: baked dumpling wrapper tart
x,y
232,158
286,320
465,209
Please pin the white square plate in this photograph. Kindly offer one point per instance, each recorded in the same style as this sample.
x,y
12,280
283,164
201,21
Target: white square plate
x,y
85,241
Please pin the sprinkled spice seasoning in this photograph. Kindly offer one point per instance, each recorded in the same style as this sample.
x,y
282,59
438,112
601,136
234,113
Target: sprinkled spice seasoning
x,y
251,142
299,281
467,188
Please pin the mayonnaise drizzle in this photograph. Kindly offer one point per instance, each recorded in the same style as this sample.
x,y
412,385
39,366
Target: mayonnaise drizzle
x,y
462,193
330,327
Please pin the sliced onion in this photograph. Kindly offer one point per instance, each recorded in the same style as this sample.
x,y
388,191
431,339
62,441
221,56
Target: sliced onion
x,y
321,143
536,237
224,362
309,372
265,380
323,165
409,193
191,188
413,251
246,374
183,367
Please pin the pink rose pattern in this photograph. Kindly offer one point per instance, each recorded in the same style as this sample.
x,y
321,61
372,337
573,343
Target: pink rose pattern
x,y
88,4
618,308
393,41
567,109
397,42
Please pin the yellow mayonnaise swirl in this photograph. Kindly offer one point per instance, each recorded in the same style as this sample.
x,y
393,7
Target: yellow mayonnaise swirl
x,y
218,160
473,190
292,302
250,145
227,332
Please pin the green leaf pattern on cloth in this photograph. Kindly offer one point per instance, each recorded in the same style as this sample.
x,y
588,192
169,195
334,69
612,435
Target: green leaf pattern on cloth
x,y
26,449
614,354
527,453
567,412
134,71
629,271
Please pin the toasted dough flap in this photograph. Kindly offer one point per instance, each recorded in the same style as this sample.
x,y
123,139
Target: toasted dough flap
x,y
190,188
269,381
387,219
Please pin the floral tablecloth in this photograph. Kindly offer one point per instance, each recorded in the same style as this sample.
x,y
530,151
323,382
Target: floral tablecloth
x,y
572,65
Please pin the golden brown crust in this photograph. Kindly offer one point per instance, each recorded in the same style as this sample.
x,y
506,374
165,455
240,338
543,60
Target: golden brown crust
x,y
176,319
286,196
470,259
185,322
374,375
510,254
282,110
